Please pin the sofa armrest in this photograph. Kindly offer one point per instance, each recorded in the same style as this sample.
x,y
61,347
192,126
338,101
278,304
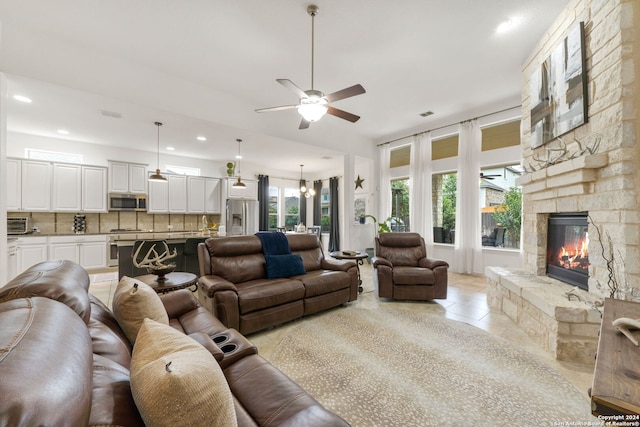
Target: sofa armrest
x,y
376,261
206,341
432,263
336,264
179,302
211,284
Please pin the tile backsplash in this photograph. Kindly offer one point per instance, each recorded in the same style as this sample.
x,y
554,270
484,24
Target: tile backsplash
x,y
98,223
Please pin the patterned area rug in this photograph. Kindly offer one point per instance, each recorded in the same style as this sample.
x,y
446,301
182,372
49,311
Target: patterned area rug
x,y
388,367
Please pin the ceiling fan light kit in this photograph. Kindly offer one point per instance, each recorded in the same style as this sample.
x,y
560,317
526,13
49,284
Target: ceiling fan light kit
x,y
314,104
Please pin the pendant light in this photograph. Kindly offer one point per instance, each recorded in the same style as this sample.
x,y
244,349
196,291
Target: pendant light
x,y
157,177
308,192
239,184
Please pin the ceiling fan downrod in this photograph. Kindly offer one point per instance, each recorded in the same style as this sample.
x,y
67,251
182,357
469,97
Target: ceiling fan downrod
x,y
312,10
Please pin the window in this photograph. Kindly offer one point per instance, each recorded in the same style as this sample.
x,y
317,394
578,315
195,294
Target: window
x,y
400,205
501,206
325,207
291,207
53,156
444,207
273,208
183,170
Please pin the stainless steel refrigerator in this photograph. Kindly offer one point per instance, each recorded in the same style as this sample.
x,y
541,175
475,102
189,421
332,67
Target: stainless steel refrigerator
x,y
242,217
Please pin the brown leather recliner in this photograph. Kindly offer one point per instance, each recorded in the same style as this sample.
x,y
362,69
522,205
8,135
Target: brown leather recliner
x,y
403,271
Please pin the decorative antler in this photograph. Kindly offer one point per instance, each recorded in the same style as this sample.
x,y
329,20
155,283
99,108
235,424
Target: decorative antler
x,y
152,258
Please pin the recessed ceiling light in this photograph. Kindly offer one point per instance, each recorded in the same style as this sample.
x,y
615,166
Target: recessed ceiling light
x,y
63,132
201,138
170,149
22,98
506,25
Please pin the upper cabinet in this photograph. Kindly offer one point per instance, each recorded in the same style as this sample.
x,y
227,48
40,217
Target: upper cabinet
x,y
203,195
55,187
127,177
36,185
249,192
14,185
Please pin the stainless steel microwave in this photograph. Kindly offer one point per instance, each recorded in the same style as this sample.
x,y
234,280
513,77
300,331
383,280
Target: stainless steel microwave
x,y
18,225
127,202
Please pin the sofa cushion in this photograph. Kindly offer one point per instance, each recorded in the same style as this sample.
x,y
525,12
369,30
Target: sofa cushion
x,y
45,364
63,281
308,247
265,293
321,282
413,276
279,266
133,301
112,403
106,335
176,382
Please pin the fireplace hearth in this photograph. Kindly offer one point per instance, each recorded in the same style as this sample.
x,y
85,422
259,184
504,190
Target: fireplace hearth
x,y
568,248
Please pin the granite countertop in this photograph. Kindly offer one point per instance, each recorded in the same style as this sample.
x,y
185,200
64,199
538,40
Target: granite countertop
x,y
127,235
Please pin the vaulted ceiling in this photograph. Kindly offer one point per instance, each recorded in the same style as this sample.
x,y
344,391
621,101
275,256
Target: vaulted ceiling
x,y
203,66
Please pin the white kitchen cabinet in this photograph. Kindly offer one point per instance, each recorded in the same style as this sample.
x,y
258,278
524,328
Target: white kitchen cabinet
x,y
195,194
30,251
213,195
88,251
14,185
94,189
12,260
177,193
127,177
36,185
67,187
250,192
158,198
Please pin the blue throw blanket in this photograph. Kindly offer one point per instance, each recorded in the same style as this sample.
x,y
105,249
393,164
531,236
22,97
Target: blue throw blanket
x,y
274,243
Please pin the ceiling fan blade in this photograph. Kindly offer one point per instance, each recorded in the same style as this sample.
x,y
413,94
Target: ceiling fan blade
x,y
342,114
282,107
304,124
345,93
290,85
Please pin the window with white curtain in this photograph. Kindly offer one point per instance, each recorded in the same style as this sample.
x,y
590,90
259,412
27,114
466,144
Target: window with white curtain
x,y
444,207
501,206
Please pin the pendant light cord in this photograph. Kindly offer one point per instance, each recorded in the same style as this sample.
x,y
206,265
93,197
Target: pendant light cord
x,y
158,124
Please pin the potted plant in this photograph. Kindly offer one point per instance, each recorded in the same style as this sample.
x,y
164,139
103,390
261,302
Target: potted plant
x,y
381,227
231,167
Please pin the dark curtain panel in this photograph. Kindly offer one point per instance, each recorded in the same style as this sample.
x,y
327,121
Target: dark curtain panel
x,y
317,203
303,204
263,203
334,231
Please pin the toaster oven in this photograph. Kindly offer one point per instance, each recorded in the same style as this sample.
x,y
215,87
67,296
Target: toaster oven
x,y
17,225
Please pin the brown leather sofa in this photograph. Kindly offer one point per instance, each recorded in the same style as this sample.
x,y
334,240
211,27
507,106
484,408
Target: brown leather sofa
x,y
403,271
234,284
64,361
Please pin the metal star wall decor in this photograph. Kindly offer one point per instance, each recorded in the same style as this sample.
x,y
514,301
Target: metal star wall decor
x,y
359,182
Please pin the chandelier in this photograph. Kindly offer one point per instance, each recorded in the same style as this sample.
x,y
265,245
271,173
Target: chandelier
x,y
308,192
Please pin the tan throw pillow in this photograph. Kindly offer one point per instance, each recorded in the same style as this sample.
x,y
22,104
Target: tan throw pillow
x,y
177,382
134,301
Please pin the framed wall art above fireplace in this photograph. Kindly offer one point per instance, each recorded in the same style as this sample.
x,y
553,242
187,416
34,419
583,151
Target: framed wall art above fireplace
x,y
558,89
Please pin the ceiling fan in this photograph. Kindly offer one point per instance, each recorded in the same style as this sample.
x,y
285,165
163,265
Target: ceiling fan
x,y
313,103
483,176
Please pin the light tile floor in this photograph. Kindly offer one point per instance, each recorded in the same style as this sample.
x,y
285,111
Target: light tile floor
x,y
466,302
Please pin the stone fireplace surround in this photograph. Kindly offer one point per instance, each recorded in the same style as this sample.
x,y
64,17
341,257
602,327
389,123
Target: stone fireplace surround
x,y
594,169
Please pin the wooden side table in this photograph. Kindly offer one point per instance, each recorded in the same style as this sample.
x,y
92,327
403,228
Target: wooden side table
x,y
358,257
173,281
616,376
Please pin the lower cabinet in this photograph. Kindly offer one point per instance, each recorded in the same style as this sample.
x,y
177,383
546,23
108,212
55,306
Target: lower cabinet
x,y
88,251
30,251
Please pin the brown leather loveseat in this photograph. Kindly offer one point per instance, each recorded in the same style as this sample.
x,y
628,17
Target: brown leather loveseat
x,y
236,287
64,360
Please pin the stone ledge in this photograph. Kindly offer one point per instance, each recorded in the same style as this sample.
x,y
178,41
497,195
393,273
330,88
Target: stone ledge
x,y
568,329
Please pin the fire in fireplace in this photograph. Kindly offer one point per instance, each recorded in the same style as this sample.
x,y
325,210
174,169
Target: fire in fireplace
x,y
568,248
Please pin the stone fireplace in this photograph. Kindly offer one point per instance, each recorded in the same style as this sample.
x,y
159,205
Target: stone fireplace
x,y
593,169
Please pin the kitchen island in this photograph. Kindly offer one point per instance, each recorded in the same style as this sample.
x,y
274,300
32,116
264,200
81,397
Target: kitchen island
x,y
185,243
